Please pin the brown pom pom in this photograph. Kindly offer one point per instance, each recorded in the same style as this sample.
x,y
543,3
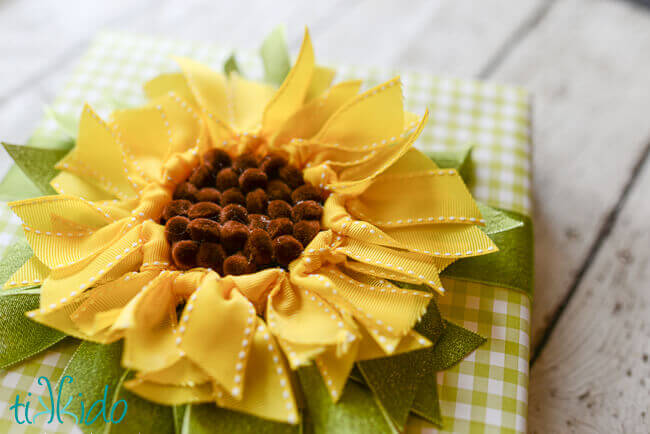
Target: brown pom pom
x,y
292,176
202,176
227,178
211,255
271,164
243,162
252,179
184,254
233,195
279,190
307,210
305,231
234,212
279,209
260,247
204,230
208,194
204,210
237,265
176,229
258,221
305,192
233,236
176,207
256,201
217,159
286,249
185,191
281,226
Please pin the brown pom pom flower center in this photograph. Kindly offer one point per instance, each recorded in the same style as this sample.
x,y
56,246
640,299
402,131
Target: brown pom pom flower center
x,y
241,214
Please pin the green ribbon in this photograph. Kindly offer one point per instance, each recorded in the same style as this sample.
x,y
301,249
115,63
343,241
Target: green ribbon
x,y
275,56
230,65
15,256
209,418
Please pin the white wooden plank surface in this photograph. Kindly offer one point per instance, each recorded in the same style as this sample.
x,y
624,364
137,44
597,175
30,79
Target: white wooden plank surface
x,y
594,374
585,66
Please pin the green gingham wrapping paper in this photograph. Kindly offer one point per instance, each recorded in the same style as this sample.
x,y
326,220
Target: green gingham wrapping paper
x,y
487,391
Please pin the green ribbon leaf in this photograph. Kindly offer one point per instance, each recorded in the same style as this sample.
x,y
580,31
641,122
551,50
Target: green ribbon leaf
x,y
454,344
355,413
16,186
394,382
67,123
275,56
511,267
20,337
142,416
231,65
461,160
96,371
397,381
37,164
426,403
209,418
15,256
99,377
179,415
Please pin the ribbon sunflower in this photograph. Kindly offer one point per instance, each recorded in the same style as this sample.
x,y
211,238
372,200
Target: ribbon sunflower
x,y
209,311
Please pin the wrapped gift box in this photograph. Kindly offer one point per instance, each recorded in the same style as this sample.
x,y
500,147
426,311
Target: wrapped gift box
x,y
487,391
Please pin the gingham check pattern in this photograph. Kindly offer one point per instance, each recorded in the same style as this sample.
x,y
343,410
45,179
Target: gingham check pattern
x,y
486,392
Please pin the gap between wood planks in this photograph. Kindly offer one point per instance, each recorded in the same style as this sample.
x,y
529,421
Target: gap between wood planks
x,y
520,33
602,236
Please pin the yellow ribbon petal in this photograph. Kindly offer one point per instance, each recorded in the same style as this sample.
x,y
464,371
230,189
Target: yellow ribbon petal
x,y
320,81
209,88
75,185
370,117
166,83
438,196
100,157
218,324
31,273
149,338
249,99
267,389
291,94
310,118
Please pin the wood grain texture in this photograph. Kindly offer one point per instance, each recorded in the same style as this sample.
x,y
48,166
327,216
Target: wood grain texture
x,y
594,374
585,68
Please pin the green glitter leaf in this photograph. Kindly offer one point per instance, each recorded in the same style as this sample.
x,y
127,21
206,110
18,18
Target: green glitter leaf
x,y
454,344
